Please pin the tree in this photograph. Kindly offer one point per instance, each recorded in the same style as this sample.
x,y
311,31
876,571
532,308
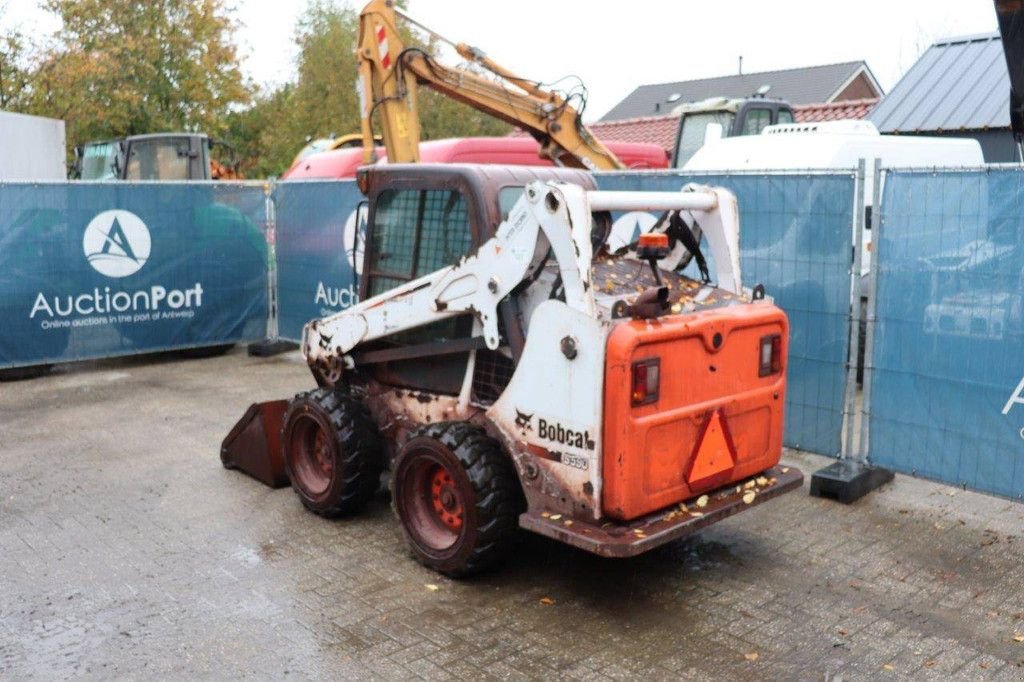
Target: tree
x,y
122,67
13,75
323,100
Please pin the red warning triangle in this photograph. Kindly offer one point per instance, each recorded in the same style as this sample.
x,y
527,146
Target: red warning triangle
x,y
714,457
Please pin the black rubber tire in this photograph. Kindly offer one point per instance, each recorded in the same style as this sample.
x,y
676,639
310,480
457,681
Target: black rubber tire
x,y
353,446
487,484
205,351
24,373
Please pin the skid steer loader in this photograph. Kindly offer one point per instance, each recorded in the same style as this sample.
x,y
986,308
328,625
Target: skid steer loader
x,y
514,363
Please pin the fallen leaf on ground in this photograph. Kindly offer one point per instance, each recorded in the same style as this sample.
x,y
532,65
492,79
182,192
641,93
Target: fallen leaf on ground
x,y
761,481
748,485
752,656
702,501
432,587
696,513
843,632
547,601
1018,638
785,470
749,496
568,522
887,666
555,517
929,664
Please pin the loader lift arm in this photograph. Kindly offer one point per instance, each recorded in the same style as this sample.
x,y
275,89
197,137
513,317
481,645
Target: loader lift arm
x,y
548,217
390,71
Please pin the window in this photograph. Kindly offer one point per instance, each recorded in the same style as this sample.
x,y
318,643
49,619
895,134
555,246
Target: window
x,y
756,121
785,116
158,160
693,131
416,232
507,198
98,161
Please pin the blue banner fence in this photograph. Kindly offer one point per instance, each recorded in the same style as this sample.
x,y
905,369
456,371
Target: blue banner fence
x,y
95,270
945,393
319,228
91,270
796,232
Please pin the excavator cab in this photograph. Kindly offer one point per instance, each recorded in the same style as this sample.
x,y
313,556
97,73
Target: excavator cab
x,y
165,156
703,122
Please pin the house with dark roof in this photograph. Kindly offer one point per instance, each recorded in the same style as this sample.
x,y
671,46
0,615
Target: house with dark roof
x,y
663,130
808,85
958,88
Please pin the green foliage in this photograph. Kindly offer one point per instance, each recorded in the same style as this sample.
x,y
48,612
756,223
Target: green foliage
x,y
121,67
124,67
13,75
323,100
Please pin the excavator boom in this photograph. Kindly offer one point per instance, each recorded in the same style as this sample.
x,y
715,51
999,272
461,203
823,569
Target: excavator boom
x,y
390,72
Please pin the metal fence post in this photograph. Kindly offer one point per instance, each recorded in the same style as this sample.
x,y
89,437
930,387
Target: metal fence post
x,y
869,338
850,395
273,344
852,477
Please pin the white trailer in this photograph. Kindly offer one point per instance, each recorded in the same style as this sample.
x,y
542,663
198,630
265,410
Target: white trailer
x,y
32,148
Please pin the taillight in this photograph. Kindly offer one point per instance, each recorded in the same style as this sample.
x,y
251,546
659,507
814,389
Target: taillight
x,y
646,378
770,358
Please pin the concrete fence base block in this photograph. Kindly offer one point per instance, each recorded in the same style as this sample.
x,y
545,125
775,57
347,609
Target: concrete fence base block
x,y
847,481
268,347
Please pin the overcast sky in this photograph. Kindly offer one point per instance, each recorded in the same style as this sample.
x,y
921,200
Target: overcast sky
x,y
615,46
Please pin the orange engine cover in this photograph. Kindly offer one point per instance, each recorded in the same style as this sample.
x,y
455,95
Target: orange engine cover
x,y
715,420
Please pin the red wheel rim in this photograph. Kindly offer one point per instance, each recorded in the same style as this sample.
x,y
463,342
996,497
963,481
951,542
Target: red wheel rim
x,y
312,455
447,503
433,503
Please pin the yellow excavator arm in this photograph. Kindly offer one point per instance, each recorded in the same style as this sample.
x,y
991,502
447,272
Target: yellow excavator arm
x,y
390,71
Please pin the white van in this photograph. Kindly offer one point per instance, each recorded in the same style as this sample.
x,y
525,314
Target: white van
x,y
834,145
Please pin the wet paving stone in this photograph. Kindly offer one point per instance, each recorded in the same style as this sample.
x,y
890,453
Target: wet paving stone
x,y
127,551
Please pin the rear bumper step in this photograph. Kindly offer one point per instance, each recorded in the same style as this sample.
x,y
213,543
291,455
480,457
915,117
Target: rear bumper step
x,y
619,539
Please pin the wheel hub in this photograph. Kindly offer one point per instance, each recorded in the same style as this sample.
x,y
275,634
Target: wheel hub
x,y
322,453
313,458
446,502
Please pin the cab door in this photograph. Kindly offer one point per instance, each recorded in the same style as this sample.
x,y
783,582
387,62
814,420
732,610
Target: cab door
x,y
414,232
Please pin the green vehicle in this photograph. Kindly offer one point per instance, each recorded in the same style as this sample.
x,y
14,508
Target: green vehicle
x,y
157,156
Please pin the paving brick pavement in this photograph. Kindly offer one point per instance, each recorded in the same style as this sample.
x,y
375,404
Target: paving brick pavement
x,y
127,551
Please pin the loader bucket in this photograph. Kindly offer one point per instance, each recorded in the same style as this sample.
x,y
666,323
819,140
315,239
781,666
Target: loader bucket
x,y
254,444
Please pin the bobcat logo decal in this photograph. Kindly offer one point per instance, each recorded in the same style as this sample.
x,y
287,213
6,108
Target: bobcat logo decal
x,y
523,420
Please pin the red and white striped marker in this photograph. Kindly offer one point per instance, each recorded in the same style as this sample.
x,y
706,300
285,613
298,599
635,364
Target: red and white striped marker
x,y
382,47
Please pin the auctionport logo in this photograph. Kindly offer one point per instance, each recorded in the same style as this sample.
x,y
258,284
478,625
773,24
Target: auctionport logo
x,y
116,243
